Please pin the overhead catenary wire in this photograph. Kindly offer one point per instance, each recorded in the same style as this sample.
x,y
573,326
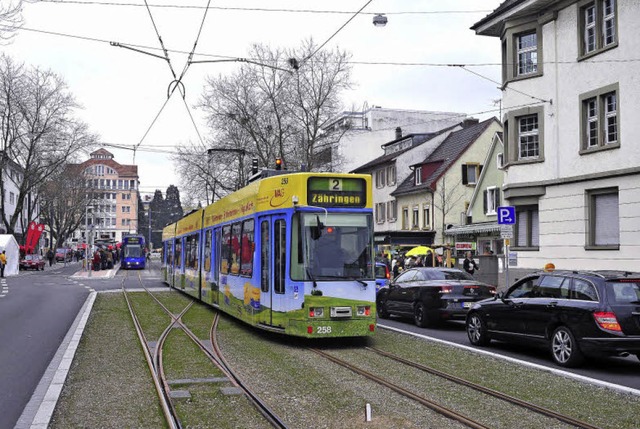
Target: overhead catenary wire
x,y
155,27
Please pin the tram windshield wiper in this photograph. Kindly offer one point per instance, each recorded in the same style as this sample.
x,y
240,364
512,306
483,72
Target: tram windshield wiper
x,y
362,282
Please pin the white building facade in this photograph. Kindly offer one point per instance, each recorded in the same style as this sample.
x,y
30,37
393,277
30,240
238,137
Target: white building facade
x,y
572,161
367,130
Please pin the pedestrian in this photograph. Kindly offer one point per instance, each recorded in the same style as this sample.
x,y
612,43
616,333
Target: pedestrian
x,y
398,267
419,262
50,256
3,262
469,265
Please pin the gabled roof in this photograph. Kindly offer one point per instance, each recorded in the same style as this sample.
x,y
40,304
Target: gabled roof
x,y
504,6
418,139
493,24
447,153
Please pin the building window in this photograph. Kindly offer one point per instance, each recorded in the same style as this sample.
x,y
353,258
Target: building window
x,y
12,198
470,173
528,143
527,53
391,175
521,58
500,161
491,200
598,27
405,218
415,219
126,209
599,119
392,210
99,170
380,178
418,176
380,212
603,219
527,227
426,217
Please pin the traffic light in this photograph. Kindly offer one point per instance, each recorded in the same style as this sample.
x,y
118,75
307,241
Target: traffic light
x,y
278,163
254,165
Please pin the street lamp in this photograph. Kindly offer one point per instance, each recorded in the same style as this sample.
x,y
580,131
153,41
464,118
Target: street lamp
x,y
380,20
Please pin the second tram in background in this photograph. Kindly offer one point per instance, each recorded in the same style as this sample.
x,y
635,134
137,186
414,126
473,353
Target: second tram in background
x,y
291,253
133,255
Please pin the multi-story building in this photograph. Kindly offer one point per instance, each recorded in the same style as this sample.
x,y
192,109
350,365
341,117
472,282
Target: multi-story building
x,y
365,131
13,177
113,201
572,164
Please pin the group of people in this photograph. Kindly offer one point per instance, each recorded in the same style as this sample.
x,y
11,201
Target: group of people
x,y
105,259
402,262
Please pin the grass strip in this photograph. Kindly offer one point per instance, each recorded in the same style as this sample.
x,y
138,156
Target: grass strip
x,y
109,385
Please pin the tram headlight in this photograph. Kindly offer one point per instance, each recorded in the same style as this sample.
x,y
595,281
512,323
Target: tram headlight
x,y
363,310
315,312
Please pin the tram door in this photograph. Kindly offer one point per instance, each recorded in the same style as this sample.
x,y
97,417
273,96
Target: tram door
x,y
273,250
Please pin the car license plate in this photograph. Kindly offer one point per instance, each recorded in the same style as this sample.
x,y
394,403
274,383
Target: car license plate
x,y
467,304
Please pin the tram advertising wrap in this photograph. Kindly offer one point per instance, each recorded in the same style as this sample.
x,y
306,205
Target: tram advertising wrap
x,y
291,253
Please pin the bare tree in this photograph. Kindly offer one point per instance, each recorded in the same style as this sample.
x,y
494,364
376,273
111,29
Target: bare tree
x,y
445,200
266,112
10,19
38,133
64,199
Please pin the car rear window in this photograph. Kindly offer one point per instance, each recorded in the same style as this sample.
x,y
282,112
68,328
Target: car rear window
x,y
446,275
381,272
625,291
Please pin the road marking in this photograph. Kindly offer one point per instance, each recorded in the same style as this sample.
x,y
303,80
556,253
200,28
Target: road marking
x,y
568,374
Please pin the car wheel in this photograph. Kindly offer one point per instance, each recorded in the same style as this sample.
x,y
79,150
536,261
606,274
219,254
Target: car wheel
x,y
381,308
477,330
564,348
421,317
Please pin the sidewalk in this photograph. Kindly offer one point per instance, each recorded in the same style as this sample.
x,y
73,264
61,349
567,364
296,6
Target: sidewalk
x,y
98,275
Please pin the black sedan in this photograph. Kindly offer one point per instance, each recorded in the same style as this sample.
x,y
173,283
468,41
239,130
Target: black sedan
x,y
431,295
32,262
575,314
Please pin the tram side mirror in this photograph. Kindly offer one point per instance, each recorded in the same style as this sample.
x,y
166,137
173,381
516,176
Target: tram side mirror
x,y
316,230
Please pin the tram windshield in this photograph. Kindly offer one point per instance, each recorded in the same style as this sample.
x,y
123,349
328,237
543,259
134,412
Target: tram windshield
x,y
132,251
333,246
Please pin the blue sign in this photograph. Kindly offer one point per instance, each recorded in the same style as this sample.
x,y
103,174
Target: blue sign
x,y
506,215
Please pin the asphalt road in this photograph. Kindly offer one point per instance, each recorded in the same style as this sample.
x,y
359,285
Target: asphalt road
x,y
35,315
620,371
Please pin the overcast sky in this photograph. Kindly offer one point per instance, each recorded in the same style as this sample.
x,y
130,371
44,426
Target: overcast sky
x,y
122,91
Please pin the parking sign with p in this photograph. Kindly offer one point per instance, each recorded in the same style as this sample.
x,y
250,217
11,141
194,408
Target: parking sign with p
x,y
506,215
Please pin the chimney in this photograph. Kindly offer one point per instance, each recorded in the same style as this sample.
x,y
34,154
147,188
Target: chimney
x,y
470,122
398,133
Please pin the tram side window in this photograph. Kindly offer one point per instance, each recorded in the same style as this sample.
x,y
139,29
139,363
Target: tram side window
x,y
191,252
178,254
280,253
246,248
225,252
168,252
236,238
207,250
265,260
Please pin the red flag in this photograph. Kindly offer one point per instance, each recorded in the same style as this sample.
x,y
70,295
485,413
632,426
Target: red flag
x,y
35,235
30,231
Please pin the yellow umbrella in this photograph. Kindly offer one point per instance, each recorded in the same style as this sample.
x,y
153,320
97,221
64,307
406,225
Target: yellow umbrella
x,y
419,250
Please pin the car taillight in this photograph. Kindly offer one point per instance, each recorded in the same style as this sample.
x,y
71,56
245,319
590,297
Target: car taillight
x,y
446,289
492,290
607,320
387,275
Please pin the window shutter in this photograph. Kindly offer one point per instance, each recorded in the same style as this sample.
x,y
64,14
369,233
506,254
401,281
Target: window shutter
x,y
522,228
464,175
497,195
484,201
535,229
479,172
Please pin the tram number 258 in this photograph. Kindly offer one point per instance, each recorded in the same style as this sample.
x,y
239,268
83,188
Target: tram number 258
x,y
323,330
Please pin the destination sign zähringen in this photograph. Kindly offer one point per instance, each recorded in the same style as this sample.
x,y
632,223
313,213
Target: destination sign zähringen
x,y
336,192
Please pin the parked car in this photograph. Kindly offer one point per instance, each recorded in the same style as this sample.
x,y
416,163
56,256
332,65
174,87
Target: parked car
x,y
575,314
431,295
382,274
64,254
32,262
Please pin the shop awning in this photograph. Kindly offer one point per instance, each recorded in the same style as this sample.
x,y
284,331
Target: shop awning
x,y
477,228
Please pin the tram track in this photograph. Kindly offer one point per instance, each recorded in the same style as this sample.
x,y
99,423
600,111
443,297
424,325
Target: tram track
x,y
214,355
440,409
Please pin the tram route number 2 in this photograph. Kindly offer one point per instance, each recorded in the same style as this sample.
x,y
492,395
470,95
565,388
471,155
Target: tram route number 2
x,y
323,329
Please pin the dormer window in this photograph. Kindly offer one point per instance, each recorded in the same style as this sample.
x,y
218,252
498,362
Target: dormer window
x,y
418,176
